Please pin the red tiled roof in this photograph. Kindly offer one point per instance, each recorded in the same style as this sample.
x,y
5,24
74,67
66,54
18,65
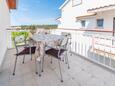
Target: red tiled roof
x,y
11,4
106,6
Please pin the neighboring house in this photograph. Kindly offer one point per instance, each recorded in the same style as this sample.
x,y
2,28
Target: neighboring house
x,y
92,15
5,7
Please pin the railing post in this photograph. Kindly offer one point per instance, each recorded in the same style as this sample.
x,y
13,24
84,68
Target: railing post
x,y
78,47
110,55
85,50
110,59
75,47
104,56
81,48
98,55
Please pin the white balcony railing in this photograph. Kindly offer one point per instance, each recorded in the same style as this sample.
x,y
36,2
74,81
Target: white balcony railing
x,y
98,48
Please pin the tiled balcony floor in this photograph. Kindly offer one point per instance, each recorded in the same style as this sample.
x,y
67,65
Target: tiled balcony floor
x,y
81,73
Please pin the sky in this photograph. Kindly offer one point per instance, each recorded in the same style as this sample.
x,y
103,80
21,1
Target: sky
x,y
36,12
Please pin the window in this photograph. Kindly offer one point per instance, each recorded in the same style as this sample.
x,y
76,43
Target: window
x,y
83,23
76,2
100,23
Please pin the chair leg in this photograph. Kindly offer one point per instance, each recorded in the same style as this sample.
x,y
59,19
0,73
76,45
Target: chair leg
x,y
39,68
51,60
15,65
30,53
31,57
60,70
36,67
67,60
63,59
70,50
42,64
70,54
23,59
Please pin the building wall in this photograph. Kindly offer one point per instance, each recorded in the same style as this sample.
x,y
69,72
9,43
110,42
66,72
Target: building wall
x,y
108,18
69,14
4,24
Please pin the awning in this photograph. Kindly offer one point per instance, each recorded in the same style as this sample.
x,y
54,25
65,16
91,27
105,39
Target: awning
x,y
86,15
58,19
102,8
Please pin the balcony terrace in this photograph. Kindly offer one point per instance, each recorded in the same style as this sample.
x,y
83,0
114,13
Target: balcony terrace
x,y
90,46
87,67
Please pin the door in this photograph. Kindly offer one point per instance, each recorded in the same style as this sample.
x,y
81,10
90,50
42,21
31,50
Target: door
x,y
114,26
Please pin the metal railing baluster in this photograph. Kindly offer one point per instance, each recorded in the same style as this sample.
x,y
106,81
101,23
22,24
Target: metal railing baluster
x,y
110,56
78,48
85,50
75,47
81,48
104,56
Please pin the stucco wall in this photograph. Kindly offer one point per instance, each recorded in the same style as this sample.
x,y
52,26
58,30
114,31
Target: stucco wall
x,y
108,18
4,24
69,14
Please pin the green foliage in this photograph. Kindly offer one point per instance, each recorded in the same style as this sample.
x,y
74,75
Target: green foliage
x,y
34,27
47,26
28,27
15,34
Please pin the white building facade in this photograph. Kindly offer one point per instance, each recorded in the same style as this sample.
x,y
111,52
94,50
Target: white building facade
x,y
4,24
5,7
88,15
